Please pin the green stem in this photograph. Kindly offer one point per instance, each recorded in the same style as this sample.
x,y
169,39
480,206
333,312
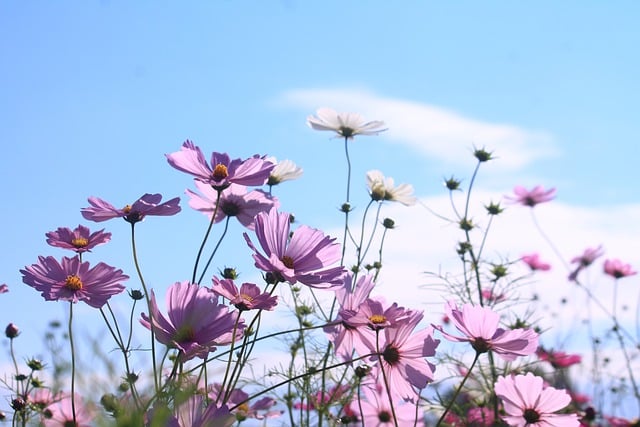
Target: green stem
x,y
455,395
206,236
73,365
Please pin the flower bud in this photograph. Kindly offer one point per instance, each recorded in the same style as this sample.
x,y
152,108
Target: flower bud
x,y
11,331
136,294
388,223
229,273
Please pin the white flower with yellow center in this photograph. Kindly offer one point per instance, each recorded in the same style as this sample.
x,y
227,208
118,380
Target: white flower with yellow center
x,y
383,188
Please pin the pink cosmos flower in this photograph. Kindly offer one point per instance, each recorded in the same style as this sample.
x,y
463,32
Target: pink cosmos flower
x,y
618,269
531,197
305,257
238,401
221,171
148,204
73,280
60,414
558,359
248,297
585,260
535,263
528,403
79,240
480,326
235,201
346,125
492,297
4,288
196,323
375,315
347,338
480,417
376,410
402,354
194,413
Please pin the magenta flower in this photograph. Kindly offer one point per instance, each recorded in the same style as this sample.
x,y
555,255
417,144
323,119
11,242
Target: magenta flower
x,y
305,257
196,323
221,171
373,314
585,260
60,414
618,269
402,355
532,197
194,413
480,326
148,204
78,240
528,403
558,359
235,201
238,400
535,263
4,288
248,297
73,280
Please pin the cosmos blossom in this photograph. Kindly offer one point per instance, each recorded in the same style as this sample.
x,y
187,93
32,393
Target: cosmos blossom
x,y
194,413
376,410
531,197
285,170
79,240
618,269
238,400
528,403
305,257
346,125
4,288
148,204
60,413
402,357
585,260
535,263
480,327
383,188
248,297
235,201
72,280
195,322
558,359
221,171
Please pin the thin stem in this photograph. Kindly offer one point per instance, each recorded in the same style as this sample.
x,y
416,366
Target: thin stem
x,y
215,249
73,365
206,235
386,379
458,390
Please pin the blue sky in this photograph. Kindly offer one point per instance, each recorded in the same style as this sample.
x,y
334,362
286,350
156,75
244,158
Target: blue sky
x,y
95,93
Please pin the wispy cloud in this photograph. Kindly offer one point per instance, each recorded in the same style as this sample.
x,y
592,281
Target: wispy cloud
x,y
433,131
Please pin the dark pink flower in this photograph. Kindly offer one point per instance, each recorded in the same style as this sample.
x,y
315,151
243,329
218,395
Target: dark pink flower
x,y
558,359
304,257
531,197
480,326
403,353
195,322
148,204
235,201
4,288
480,417
535,263
618,269
248,297
60,414
585,260
491,297
528,403
73,280
221,171
79,240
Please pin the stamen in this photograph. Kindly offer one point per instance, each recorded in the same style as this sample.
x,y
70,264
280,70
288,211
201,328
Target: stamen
x,y
377,319
287,261
126,209
73,282
79,242
220,172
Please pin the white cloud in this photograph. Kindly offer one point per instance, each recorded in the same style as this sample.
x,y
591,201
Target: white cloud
x,y
433,131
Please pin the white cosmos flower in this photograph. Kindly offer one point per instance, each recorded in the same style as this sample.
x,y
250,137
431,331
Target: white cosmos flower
x,y
285,170
347,125
381,188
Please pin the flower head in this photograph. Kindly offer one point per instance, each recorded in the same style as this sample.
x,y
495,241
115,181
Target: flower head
x,y
238,399
60,413
558,359
528,403
585,260
304,257
73,280
381,188
346,125
195,413
618,269
480,327
79,239
235,201
4,288
535,263
532,197
148,204
221,171
248,297
377,412
285,170
195,322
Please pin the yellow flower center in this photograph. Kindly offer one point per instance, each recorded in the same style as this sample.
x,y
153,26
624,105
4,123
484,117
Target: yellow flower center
x,y
220,172
79,242
246,297
377,319
287,261
126,209
243,407
73,282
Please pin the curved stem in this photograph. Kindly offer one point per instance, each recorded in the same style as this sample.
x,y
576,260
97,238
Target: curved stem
x,y
215,249
206,235
458,390
73,365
